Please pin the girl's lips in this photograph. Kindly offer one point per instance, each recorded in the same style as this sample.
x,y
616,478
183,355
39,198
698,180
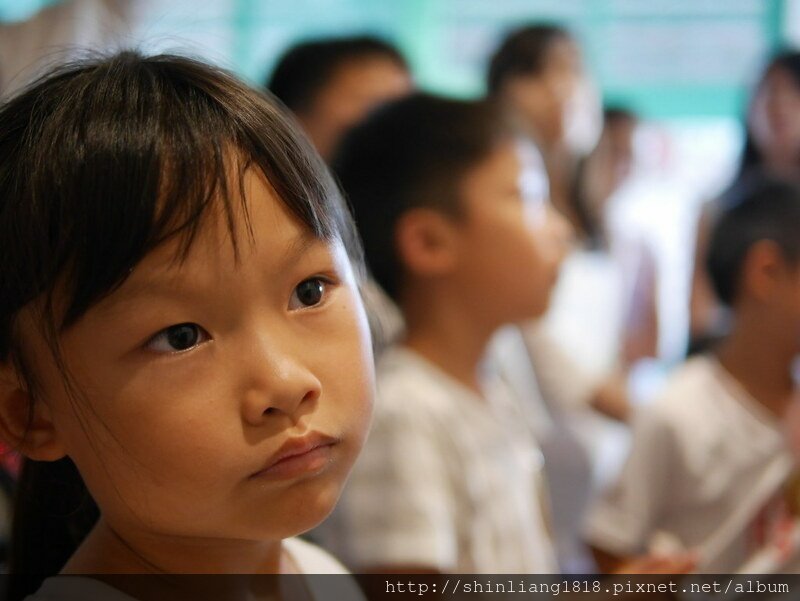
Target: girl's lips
x,y
298,456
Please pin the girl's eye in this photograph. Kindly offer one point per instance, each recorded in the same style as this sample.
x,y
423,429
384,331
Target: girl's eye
x,y
307,293
175,339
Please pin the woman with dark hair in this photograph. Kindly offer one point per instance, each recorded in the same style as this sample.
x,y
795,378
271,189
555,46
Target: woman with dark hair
x,y
772,148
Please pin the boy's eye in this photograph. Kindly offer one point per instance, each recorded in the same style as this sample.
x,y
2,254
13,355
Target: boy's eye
x,y
307,293
181,337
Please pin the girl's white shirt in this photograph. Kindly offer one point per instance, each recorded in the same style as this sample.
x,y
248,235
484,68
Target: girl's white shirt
x,y
309,558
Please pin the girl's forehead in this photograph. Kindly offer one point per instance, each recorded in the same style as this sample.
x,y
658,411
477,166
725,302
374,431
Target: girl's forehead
x,y
258,230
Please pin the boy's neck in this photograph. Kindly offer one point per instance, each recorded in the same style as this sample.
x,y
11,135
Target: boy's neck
x,y
759,356
445,333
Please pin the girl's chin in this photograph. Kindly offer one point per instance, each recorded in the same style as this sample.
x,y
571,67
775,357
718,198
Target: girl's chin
x,y
308,514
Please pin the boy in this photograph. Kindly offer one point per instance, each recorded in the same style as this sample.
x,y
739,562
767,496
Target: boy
x,y
709,461
451,476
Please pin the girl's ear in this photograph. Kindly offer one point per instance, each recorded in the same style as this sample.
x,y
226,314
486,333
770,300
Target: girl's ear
x,y
426,242
25,425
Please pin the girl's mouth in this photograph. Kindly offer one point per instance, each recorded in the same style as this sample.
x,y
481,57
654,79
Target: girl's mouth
x,y
306,455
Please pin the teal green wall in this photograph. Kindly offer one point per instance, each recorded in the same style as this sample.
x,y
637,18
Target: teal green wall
x,y
722,43
665,58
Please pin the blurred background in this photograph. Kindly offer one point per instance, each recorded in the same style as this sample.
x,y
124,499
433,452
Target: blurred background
x,y
686,67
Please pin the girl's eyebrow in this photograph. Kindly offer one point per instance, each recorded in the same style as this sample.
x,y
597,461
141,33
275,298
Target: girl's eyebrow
x,y
301,244
166,283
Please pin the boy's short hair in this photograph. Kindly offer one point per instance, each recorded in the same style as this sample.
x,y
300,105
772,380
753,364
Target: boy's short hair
x,y
522,52
306,68
411,153
766,209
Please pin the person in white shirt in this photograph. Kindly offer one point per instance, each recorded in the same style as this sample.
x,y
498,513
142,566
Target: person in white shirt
x,y
709,461
451,478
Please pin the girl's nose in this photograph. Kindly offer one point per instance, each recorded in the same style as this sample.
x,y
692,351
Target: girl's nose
x,y
282,385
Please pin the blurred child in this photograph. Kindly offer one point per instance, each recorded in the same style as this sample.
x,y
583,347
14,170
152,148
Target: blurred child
x,y
332,84
619,269
772,145
578,348
179,319
451,476
537,74
709,458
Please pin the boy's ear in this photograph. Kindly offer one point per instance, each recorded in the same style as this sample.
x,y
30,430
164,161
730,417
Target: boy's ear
x,y
762,269
26,425
426,242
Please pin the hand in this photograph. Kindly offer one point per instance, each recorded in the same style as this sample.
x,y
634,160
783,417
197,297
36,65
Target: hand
x,y
680,563
611,397
792,425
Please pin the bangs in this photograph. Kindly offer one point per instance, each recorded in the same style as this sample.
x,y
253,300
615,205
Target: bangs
x,y
112,158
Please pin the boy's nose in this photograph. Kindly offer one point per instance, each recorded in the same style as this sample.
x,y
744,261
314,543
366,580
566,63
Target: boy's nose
x,y
281,385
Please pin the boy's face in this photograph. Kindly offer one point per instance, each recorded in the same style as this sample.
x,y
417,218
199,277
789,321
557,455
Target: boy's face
x,y
788,301
276,359
768,294
511,241
355,89
774,121
542,100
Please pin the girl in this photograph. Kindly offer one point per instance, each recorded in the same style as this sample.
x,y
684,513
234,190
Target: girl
x,y
180,324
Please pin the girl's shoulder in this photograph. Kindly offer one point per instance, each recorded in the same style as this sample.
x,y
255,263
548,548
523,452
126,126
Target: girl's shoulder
x,y
310,559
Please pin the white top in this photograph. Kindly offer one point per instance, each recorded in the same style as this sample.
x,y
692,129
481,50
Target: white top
x,y
447,479
586,311
309,558
567,460
706,459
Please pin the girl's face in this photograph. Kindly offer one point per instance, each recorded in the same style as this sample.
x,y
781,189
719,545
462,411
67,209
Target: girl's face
x,y
224,398
775,119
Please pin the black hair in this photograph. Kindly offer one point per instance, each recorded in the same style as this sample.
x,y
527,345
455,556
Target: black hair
x,y
767,209
616,113
787,61
522,52
590,223
102,161
413,152
306,68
